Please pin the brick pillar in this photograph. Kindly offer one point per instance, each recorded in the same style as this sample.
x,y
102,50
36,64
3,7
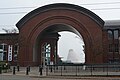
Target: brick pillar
x,y
105,46
52,52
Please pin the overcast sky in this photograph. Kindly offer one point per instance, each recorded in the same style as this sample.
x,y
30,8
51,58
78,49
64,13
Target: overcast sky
x,y
11,11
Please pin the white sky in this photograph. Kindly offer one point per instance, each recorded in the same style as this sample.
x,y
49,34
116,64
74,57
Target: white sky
x,y
9,20
69,41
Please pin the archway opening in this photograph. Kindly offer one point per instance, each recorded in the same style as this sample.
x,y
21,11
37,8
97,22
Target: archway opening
x,y
48,49
71,47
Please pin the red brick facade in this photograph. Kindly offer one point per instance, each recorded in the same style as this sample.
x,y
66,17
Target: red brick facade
x,y
7,40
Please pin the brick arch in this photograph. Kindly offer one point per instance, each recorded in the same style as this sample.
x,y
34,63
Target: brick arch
x,y
89,26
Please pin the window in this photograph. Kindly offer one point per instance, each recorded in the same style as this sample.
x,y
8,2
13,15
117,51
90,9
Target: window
x,y
110,34
116,47
115,34
46,50
16,47
115,60
110,48
1,47
3,52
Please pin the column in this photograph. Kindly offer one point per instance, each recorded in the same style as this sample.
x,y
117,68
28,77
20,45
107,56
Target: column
x,y
56,55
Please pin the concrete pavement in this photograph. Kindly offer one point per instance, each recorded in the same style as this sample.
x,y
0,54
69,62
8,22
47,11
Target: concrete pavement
x,y
21,77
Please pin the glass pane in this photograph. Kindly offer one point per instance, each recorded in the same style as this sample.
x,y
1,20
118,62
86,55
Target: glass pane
x,y
4,55
15,53
46,50
5,47
1,46
1,56
15,57
48,55
116,34
1,50
16,47
110,34
116,48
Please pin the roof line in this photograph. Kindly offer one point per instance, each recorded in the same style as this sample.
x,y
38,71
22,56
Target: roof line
x,y
56,6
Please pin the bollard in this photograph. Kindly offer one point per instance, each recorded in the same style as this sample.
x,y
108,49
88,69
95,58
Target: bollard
x,y
40,70
29,68
56,67
64,67
91,70
0,69
27,71
8,66
14,70
50,68
47,71
18,68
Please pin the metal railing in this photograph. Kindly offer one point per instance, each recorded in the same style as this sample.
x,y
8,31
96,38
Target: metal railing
x,y
83,70
70,70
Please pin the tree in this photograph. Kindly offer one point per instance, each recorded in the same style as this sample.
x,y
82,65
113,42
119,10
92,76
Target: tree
x,y
13,30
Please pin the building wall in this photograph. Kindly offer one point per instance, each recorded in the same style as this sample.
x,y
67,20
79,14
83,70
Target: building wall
x,y
9,48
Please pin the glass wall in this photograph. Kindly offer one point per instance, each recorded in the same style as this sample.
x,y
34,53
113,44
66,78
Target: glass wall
x,y
46,49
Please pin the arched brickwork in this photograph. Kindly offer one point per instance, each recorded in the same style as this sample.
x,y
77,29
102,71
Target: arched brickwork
x,y
84,21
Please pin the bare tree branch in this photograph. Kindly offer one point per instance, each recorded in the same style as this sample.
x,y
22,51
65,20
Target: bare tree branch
x,y
10,30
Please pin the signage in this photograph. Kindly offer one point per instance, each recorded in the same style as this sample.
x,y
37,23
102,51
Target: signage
x,y
10,53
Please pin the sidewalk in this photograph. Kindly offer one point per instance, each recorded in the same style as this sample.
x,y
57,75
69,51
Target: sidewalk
x,y
21,77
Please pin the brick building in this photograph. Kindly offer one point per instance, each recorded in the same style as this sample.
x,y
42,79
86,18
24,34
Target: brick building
x,y
36,42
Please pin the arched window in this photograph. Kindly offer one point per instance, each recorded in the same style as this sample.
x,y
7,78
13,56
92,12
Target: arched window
x,y
110,34
116,34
